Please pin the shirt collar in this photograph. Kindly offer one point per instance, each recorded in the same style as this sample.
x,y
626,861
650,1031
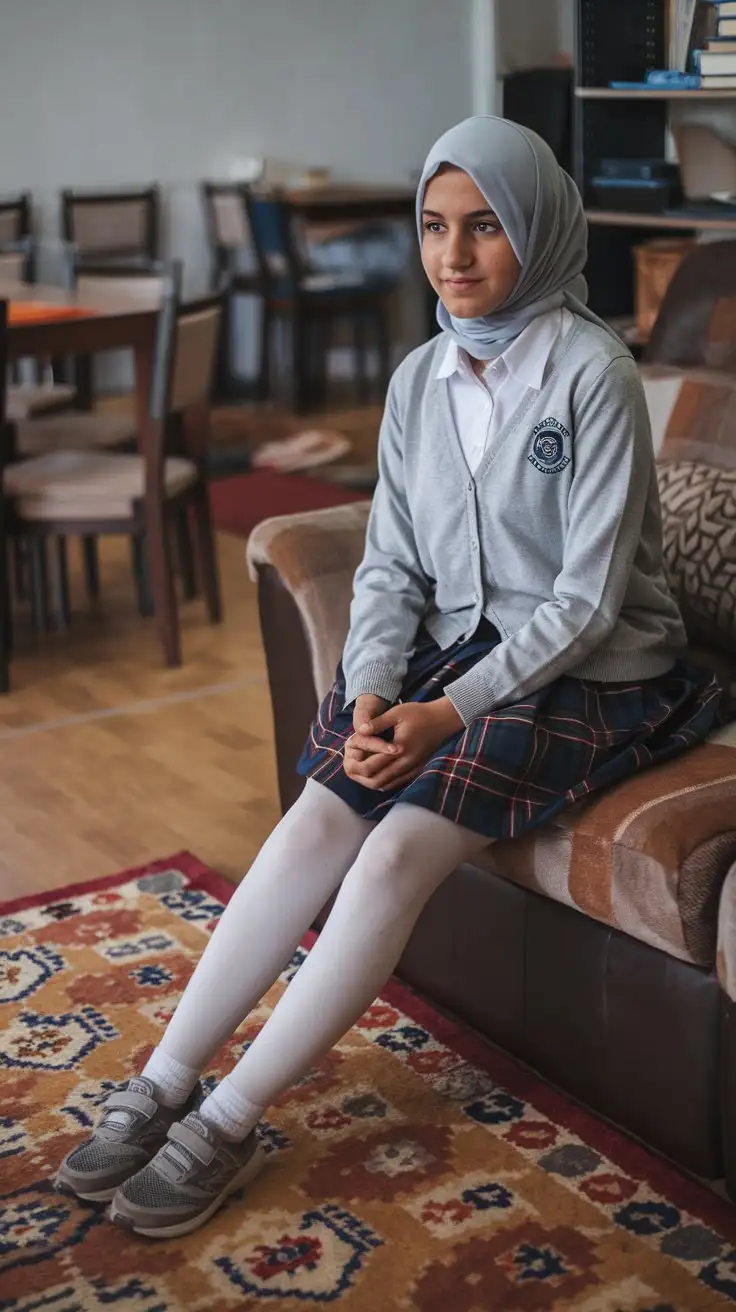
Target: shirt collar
x,y
526,358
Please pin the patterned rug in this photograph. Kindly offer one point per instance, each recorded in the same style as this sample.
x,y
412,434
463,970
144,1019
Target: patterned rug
x,y
415,1169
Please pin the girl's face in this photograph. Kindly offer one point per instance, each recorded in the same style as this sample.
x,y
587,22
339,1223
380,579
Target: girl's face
x,y
465,252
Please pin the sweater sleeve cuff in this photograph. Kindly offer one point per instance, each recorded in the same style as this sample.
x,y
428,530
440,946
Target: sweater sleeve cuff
x,y
376,678
471,696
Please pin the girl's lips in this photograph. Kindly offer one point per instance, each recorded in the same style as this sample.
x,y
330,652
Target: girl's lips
x,y
462,284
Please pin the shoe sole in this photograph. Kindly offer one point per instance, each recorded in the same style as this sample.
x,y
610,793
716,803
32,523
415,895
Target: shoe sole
x,y
64,1186
245,1176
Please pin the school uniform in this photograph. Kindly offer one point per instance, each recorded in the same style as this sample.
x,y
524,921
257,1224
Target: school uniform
x,y
513,563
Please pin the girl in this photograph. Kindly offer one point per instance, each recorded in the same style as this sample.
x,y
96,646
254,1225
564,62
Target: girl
x,y
513,648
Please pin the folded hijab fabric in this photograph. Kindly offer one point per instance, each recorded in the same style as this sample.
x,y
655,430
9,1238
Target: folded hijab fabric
x,y
540,210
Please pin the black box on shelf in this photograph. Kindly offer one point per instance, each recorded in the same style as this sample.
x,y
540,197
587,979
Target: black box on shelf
x,y
640,170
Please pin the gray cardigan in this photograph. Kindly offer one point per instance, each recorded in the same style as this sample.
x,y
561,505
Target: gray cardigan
x,y
556,539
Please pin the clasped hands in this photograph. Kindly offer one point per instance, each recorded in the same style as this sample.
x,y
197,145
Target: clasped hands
x,y
418,730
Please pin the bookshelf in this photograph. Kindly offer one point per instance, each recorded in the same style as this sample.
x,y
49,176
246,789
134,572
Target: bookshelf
x,y
619,41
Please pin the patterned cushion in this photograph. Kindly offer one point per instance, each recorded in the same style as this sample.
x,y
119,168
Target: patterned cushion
x,y
699,522
726,956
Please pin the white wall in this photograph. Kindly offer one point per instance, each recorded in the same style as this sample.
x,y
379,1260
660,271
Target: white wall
x,y
114,92
533,32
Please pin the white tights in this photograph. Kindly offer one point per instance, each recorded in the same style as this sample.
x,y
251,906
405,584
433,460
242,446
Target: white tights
x,y
386,873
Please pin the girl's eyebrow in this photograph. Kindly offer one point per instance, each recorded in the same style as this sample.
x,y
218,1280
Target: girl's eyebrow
x,y
474,214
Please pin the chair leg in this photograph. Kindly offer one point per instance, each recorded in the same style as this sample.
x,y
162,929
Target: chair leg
x,y
20,569
184,554
162,585
60,607
300,363
91,564
83,383
207,555
383,344
361,360
320,346
6,615
139,564
39,584
264,366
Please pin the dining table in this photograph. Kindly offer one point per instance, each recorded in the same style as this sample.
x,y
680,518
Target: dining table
x,y
351,202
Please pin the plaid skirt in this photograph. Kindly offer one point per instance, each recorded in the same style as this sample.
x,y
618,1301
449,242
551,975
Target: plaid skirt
x,y
521,765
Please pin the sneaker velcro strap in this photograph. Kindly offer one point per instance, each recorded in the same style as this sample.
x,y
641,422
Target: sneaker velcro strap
x,y
131,1102
199,1147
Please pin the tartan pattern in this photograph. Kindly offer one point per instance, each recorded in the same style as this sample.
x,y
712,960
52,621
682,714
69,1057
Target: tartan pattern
x,y
517,768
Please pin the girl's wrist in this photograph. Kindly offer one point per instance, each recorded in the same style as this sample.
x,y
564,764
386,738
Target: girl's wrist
x,y
448,718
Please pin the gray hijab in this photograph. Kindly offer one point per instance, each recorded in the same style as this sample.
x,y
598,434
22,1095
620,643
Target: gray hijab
x,y
540,210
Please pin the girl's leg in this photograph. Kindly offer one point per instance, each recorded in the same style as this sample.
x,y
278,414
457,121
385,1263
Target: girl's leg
x,y
298,868
396,871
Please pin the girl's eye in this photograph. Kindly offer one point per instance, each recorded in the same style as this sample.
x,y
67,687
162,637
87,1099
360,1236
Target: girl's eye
x,y
484,226
432,225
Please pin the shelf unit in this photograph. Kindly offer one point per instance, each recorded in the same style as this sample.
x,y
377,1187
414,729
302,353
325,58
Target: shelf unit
x,y
620,41
693,93
668,222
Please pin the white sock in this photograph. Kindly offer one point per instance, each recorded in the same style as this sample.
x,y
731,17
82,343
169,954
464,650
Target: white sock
x,y
173,1080
230,1113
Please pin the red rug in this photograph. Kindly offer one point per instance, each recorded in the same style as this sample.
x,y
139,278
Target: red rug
x,y
415,1170
239,503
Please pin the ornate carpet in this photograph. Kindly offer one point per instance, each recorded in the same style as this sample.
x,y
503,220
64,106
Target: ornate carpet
x,y
416,1169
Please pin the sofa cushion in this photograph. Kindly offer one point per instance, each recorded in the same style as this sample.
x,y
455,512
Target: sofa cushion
x,y
699,526
649,857
316,555
693,414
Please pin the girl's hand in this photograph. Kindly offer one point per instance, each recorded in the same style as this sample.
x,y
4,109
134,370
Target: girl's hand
x,y
419,728
360,747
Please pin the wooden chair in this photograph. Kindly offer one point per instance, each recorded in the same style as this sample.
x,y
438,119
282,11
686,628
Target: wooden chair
x,y
15,218
5,435
109,228
92,493
289,291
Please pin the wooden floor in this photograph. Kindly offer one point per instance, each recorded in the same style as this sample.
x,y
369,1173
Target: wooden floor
x,y
107,760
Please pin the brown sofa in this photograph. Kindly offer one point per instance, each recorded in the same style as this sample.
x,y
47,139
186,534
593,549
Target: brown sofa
x,y
601,950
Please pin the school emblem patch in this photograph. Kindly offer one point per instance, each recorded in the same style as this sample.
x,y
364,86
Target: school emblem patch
x,y
548,447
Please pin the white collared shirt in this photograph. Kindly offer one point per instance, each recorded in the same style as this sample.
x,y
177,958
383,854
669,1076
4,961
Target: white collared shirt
x,y
481,407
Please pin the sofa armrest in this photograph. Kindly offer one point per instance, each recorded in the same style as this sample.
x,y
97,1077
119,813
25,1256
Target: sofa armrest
x,y
304,567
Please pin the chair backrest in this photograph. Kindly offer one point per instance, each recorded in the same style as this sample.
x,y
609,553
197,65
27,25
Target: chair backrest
x,y
239,218
186,348
696,325
112,225
226,215
274,236
197,334
3,378
184,361
16,259
15,218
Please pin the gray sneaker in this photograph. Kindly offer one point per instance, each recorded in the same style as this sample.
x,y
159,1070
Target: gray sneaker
x,y
132,1129
187,1181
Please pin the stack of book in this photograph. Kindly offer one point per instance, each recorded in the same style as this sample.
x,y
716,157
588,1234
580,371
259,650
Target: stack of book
x,y
718,56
